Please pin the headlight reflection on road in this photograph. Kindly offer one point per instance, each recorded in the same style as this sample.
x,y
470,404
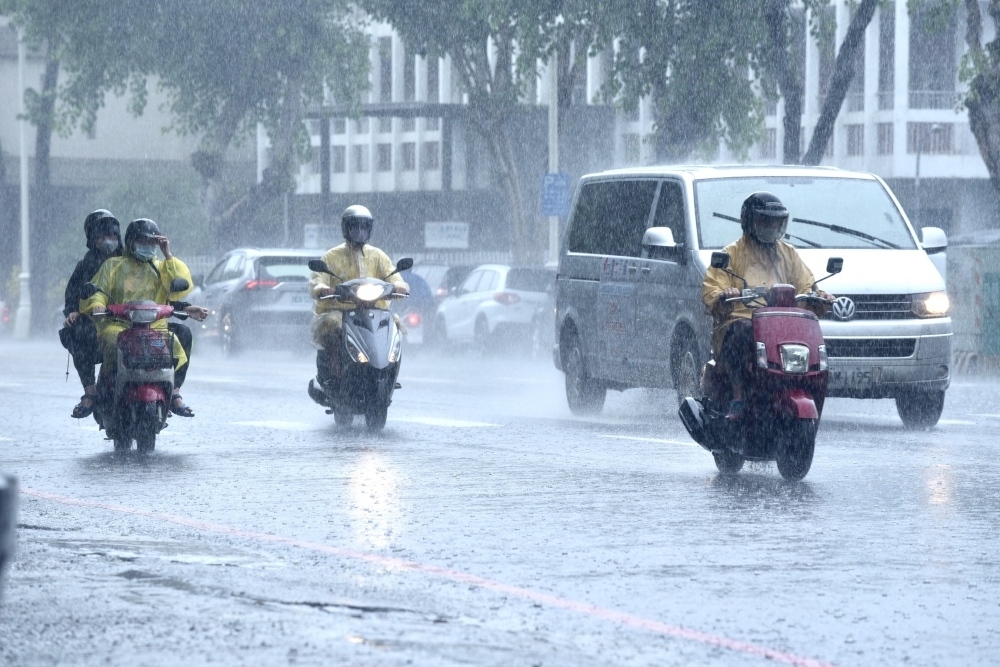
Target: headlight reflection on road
x,y
940,486
374,494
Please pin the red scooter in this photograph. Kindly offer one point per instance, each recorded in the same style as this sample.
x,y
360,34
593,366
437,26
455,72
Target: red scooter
x,y
786,390
134,400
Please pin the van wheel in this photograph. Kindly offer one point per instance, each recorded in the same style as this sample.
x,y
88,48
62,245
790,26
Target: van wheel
x,y
920,409
584,395
684,369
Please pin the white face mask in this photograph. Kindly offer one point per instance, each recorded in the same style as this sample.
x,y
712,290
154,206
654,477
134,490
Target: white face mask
x,y
107,247
144,253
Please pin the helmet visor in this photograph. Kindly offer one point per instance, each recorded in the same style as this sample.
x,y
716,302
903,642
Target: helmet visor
x,y
359,230
769,224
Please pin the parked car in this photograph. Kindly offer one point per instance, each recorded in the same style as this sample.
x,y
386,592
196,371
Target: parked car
x,y
638,242
416,312
257,297
443,280
497,303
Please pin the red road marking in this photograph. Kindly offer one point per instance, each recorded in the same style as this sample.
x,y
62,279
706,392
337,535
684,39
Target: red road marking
x,y
619,617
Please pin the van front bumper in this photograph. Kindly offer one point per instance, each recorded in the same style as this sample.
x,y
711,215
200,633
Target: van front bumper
x,y
926,367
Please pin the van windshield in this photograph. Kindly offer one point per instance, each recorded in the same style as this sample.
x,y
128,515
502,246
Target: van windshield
x,y
822,212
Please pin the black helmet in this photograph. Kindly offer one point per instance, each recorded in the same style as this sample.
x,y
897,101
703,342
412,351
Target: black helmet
x,y
356,225
143,228
764,217
100,223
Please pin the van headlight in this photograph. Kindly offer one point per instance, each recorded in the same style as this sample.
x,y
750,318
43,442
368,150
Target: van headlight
x,y
795,358
824,361
930,304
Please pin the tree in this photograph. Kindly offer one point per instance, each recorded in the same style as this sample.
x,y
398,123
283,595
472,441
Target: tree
x,y
783,61
981,72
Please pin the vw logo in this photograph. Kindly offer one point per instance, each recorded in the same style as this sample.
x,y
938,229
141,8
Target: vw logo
x,y
843,309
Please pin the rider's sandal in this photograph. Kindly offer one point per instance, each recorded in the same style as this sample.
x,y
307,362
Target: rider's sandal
x,y
81,410
180,410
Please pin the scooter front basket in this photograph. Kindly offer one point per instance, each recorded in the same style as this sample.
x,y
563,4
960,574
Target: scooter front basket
x,y
146,349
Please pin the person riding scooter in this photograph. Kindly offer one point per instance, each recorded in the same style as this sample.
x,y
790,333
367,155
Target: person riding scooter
x,y
139,276
762,259
79,335
352,259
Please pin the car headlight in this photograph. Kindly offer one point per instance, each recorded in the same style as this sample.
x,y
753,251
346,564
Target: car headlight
x,y
824,361
355,350
369,292
795,358
761,355
930,304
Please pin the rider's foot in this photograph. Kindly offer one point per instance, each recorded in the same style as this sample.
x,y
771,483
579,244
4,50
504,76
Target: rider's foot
x,y
85,407
735,411
178,408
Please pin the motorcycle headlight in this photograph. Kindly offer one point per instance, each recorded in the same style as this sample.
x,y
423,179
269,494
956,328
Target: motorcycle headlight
x,y
355,350
369,292
795,358
396,349
824,361
930,304
761,355
142,316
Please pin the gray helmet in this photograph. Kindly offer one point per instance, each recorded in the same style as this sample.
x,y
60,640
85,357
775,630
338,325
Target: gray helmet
x,y
143,228
764,217
356,225
101,223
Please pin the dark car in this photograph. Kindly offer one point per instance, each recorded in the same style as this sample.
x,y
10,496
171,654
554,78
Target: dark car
x,y
417,311
257,297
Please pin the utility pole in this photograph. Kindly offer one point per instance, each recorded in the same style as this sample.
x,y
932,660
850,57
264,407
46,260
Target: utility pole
x,y
22,325
554,149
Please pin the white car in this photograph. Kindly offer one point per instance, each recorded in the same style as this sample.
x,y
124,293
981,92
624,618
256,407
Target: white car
x,y
497,303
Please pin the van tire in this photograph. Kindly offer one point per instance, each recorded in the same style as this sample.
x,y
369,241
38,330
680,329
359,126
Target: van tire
x,y
584,395
920,409
684,369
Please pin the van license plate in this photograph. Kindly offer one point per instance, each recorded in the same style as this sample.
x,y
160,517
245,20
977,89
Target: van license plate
x,y
853,378
301,298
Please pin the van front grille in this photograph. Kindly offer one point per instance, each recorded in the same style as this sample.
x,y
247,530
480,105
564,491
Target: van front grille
x,y
870,347
879,307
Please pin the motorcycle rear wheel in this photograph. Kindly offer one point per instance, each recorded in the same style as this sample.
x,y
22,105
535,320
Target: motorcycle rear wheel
x,y
728,463
122,443
795,452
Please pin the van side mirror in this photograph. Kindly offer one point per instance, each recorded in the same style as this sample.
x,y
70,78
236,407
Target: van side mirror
x,y
179,285
835,265
659,243
720,260
934,240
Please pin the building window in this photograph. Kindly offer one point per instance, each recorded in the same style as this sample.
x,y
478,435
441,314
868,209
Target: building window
x,y
630,148
385,125
338,159
885,138
855,139
314,160
408,153
409,125
433,80
933,59
338,126
886,56
312,127
826,18
385,69
432,124
431,159
383,157
361,125
769,145
361,159
931,138
409,77
829,146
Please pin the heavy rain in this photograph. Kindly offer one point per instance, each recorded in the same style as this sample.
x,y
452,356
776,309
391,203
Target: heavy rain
x,y
413,332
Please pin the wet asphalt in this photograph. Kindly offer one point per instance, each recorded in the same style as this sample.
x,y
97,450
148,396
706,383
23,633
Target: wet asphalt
x,y
488,526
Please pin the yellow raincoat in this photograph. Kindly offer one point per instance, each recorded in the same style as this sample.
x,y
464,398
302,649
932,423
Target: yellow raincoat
x,y
348,264
761,265
125,279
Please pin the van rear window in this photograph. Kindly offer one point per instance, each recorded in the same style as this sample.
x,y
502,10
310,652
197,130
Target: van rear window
x,y
611,217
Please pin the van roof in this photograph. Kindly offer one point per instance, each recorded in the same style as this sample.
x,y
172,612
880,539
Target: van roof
x,y
707,171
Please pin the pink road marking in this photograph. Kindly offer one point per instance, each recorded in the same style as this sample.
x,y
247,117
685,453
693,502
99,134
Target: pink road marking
x,y
584,608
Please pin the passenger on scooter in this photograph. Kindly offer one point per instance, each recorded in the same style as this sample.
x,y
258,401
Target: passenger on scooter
x,y
762,259
79,335
350,260
139,276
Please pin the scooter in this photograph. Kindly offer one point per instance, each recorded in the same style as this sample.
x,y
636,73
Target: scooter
x,y
370,354
134,400
785,392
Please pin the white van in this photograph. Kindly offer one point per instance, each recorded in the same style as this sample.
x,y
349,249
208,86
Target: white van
x,y
638,241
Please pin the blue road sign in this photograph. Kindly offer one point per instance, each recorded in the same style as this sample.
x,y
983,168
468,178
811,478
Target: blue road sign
x,y
555,194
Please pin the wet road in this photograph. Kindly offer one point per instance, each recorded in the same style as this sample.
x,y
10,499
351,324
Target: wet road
x,y
489,526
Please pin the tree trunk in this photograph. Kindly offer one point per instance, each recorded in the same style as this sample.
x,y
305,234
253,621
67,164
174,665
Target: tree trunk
x,y
842,75
42,273
983,101
785,71
209,161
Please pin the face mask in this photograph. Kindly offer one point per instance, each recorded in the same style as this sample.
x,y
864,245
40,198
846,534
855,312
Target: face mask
x,y
359,234
144,253
107,247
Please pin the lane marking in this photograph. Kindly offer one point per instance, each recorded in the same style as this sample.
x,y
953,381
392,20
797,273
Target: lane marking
x,y
6,439
956,422
278,425
665,442
587,609
437,421
984,414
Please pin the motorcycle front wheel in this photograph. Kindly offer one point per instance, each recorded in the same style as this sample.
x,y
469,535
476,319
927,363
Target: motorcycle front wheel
x,y
795,453
375,418
146,425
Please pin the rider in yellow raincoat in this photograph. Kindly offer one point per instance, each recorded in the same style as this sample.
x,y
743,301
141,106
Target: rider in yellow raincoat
x,y
136,276
351,259
763,260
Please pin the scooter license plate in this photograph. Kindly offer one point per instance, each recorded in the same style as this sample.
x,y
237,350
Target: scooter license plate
x,y
852,378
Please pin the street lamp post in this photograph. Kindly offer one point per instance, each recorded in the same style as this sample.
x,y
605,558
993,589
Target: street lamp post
x,y
22,326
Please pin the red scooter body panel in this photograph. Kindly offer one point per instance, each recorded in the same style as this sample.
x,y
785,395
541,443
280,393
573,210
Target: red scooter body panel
x,y
796,402
146,393
121,310
797,326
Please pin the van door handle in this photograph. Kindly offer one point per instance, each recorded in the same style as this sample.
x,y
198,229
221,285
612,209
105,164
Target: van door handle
x,y
631,268
646,269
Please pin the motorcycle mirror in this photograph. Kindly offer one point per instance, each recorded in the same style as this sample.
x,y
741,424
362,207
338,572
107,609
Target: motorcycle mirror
x,y
88,290
319,266
404,264
179,285
835,265
720,260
